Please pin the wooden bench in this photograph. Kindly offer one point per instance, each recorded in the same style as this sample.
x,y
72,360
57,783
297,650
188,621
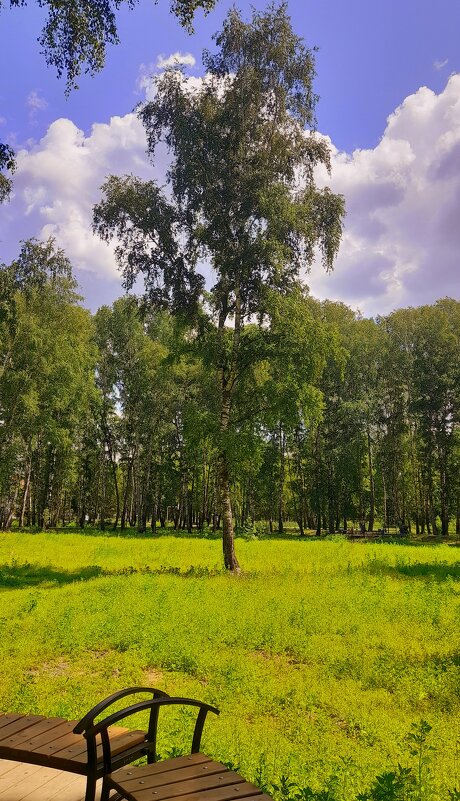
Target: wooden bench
x,y
194,777
72,746
188,778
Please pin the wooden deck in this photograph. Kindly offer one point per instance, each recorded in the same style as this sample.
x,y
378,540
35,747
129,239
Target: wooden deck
x,y
21,782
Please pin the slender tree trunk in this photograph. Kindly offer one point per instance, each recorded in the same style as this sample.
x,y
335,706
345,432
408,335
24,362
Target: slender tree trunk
x,y
281,479
125,497
43,497
444,495
26,494
371,483
117,491
227,379
385,513
10,512
228,533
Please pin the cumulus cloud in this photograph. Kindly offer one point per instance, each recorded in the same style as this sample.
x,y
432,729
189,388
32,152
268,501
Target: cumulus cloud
x,y
58,181
439,65
402,232
176,59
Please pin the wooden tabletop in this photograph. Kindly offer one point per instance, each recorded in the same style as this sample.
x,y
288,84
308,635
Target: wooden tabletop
x,y
192,778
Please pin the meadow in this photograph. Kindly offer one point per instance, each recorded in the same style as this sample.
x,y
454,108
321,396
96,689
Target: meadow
x,y
323,656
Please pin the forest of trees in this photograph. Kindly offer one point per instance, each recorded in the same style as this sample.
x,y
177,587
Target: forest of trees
x,y
112,420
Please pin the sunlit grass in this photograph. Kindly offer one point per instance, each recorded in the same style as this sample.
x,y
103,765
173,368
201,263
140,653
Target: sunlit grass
x,y
319,652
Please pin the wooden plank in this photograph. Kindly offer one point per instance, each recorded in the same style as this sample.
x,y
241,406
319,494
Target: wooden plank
x,y
63,740
226,792
124,774
24,786
37,731
6,765
117,744
18,725
48,783
17,773
155,779
188,787
5,719
65,729
56,785
74,791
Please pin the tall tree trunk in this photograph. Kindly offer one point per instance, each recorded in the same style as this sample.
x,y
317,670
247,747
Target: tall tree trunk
x,y
26,494
227,380
385,503
444,494
281,479
43,495
228,533
125,496
371,483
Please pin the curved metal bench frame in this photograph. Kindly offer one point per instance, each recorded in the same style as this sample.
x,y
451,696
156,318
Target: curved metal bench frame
x,y
154,706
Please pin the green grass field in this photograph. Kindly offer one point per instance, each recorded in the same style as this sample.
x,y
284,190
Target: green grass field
x,y
320,656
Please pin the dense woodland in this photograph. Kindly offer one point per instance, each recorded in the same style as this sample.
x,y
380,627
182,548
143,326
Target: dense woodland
x,y
112,419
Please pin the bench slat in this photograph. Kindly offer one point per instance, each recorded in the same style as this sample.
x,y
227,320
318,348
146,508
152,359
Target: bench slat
x,y
39,731
166,766
190,786
18,725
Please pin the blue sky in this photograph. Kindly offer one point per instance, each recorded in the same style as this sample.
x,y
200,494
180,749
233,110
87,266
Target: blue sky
x,y
374,60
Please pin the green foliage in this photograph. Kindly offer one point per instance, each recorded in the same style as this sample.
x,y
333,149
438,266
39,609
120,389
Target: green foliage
x,y
7,163
46,379
75,35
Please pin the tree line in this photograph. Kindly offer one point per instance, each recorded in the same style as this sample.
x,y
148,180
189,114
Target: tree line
x,y
112,419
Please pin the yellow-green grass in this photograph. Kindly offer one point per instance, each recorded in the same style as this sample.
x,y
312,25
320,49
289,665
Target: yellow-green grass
x,y
321,655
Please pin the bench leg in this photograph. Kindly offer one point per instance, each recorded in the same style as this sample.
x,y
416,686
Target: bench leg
x,y
105,792
90,788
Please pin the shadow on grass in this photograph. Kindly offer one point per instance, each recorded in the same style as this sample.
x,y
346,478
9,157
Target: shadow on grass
x,y
128,533
15,576
431,571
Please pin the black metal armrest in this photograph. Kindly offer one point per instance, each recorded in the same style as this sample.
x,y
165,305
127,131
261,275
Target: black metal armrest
x,y
154,706
88,720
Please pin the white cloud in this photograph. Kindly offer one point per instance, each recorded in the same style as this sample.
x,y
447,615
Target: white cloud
x,y
439,65
402,235
148,72
176,60
58,181
36,103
